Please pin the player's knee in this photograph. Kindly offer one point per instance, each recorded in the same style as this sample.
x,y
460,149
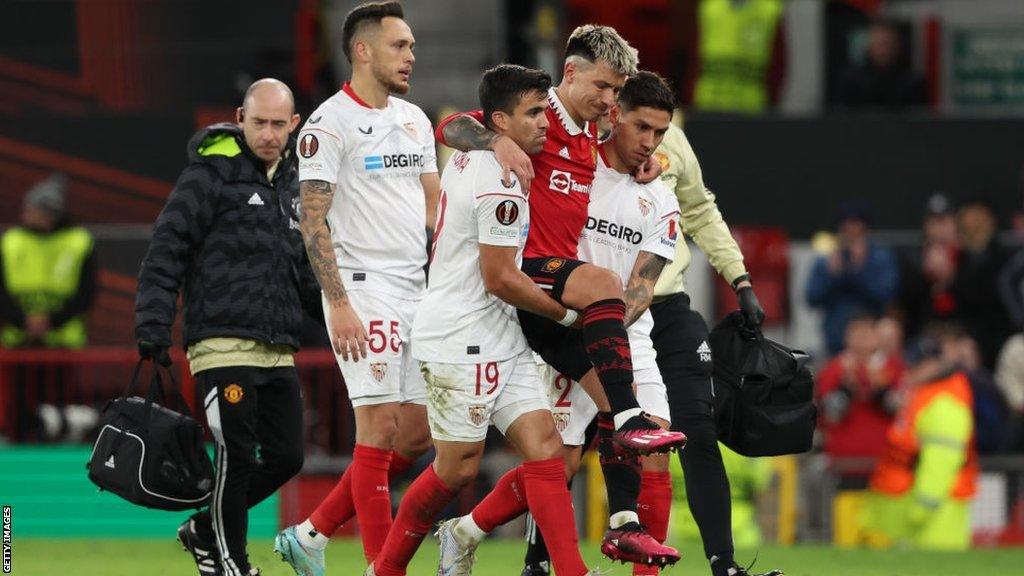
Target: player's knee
x,y
381,435
456,474
413,445
547,447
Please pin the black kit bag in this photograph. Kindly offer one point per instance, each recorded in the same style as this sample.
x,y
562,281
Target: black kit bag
x,y
764,392
151,455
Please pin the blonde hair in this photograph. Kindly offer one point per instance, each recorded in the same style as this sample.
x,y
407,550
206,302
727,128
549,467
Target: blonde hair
x,y
593,42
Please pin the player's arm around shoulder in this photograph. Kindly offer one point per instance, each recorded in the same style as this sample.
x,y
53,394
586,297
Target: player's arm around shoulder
x,y
465,131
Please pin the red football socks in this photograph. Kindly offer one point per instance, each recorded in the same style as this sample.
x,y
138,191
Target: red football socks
x,y
338,508
424,500
551,506
653,506
505,502
371,496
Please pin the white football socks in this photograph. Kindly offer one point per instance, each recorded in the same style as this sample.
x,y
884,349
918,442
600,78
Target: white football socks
x,y
621,417
468,532
309,536
619,519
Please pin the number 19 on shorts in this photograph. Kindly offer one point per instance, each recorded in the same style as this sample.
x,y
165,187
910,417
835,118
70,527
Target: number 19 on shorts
x,y
486,377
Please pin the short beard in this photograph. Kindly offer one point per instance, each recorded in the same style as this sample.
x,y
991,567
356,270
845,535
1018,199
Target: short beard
x,y
384,78
397,88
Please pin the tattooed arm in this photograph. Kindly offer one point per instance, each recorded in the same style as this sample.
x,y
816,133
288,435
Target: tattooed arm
x,y
466,133
348,336
640,290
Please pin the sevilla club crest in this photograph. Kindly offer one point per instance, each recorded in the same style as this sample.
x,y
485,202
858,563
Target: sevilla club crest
x,y
379,370
561,420
478,414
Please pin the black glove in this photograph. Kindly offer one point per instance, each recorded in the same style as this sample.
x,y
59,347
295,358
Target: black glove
x,y
154,352
753,314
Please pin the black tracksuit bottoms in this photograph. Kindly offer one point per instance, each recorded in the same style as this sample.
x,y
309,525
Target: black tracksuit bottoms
x,y
255,416
684,359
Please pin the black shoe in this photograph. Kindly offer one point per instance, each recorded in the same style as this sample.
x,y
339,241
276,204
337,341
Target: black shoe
x,y
205,553
542,569
737,570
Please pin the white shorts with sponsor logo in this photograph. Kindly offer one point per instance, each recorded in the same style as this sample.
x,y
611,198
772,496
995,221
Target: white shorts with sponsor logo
x,y
573,410
463,399
388,373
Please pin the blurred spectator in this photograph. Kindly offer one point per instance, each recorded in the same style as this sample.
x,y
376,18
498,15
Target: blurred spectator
x,y
739,50
857,392
857,275
885,78
749,478
975,289
991,411
922,487
1010,379
926,277
49,273
890,341
1011,289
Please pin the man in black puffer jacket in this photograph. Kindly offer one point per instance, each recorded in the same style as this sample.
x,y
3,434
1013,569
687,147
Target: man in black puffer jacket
x,y
228,237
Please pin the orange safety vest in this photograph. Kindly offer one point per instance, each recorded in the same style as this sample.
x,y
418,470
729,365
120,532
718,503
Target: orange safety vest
x,y
894,473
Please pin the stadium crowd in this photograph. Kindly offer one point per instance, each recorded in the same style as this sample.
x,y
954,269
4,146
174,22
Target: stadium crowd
x,y
961,288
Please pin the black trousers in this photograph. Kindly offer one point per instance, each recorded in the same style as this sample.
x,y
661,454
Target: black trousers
x,y
255,416
684,359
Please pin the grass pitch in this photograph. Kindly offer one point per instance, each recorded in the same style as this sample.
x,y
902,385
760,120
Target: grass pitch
x,y
109,557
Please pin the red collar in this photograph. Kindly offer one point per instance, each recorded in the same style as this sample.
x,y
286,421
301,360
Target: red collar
x,y
347,89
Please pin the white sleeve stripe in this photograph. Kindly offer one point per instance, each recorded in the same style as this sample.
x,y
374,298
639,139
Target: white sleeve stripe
x,y
321,130
516,196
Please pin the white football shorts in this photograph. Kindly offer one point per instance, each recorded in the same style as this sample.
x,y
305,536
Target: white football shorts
x,y
573,410
388,373
464,399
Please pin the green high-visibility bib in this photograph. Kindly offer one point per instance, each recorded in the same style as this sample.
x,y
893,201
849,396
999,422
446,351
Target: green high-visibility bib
x,y
41,271
736,41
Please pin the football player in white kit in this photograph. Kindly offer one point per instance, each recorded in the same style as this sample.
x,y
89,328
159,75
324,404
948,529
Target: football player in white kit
x,y
474,357
369,189
631,229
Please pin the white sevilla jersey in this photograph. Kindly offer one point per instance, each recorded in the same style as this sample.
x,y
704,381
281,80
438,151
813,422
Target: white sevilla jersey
x,y
458,320
375,158
625,218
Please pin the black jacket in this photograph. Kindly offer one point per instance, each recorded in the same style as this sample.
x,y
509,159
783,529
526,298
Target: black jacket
x,y
231,238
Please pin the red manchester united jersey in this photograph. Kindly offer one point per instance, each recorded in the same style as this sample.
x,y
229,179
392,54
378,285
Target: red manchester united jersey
x,y
560,191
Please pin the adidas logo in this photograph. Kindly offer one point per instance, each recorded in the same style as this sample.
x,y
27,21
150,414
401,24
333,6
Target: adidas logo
x,y
564,152
110,462
705,351
255,200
